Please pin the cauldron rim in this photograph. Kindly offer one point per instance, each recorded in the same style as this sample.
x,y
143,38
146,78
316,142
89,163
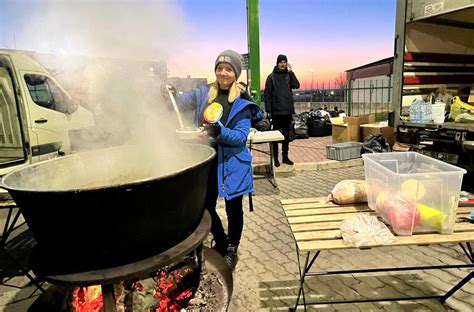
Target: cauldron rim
x,y
101,187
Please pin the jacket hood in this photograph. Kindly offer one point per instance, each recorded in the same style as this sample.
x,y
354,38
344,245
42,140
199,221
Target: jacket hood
x,y
276,70
240,104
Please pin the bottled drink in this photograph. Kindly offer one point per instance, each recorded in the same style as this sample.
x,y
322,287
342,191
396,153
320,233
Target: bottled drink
x,y
412,111
425,112
415,111
422,112
418,110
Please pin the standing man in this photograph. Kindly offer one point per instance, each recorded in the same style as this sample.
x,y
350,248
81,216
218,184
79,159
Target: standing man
x,y
279,103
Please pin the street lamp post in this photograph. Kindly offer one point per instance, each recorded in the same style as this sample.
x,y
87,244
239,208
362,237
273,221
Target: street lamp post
x,y
312,81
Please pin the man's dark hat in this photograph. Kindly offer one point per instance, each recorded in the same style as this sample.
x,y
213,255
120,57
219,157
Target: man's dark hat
x,y
281,57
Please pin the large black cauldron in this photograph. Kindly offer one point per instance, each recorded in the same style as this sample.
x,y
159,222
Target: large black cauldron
x,y
110,207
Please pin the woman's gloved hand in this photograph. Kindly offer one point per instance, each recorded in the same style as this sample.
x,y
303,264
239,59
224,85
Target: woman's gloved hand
x,y
213,130
165,88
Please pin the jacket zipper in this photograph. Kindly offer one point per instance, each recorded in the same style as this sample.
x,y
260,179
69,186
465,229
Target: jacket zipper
x,y
223,171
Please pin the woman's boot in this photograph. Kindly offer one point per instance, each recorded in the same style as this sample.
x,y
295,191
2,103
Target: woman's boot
x,y
231,256
220,245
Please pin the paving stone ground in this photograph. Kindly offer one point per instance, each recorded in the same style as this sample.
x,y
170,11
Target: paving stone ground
x,y
266,276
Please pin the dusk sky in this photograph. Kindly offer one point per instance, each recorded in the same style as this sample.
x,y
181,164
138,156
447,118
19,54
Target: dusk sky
x,y
328,36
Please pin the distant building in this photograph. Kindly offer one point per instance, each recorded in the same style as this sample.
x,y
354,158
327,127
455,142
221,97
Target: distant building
x,y
319,95
371,83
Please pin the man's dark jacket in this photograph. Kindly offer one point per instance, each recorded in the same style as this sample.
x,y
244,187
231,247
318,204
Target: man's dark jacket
x,y
278,96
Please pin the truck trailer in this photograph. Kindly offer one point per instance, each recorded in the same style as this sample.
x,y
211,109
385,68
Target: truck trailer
x,y
434,53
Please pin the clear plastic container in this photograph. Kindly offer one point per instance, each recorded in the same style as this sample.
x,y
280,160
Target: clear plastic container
x,y
413,192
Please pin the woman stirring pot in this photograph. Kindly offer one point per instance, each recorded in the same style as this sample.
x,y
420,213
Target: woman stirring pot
x,y
225,111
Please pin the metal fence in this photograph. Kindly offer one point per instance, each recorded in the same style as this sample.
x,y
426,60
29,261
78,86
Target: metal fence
x,y
355,98
307,106
369,96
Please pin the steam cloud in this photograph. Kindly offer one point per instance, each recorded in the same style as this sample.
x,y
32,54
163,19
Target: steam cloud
x,y
113,39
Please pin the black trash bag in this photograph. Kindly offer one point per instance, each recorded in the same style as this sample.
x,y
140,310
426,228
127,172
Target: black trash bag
x,y
375,144
328,127
304,116
335,112
317,126
299,128
263,125
313,114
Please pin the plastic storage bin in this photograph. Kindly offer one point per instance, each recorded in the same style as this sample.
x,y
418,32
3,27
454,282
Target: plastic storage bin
x,y
413,192
343,151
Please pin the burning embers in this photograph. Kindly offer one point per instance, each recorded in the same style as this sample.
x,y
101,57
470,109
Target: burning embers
x,y
169,290
87,299
183,286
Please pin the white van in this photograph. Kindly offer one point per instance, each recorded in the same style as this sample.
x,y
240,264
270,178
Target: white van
x,y
36,113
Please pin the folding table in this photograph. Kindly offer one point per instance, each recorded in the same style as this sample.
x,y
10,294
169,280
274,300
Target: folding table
x,y
315,226
269,137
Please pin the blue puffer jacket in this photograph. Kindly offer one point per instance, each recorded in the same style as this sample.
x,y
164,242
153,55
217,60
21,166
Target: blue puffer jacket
x,y
234,170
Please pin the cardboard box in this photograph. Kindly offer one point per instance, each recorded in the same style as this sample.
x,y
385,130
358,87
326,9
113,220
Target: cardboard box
x,y
345,133
360,120
376,129
347,129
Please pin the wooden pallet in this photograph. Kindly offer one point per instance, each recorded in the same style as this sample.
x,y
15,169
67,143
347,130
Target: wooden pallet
x,y
315,225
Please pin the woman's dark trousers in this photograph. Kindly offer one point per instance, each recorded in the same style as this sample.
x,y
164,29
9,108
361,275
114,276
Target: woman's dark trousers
x,y
234,211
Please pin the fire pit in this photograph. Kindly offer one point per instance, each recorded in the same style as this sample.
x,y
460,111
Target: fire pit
x,y
213,294
106,208
117,215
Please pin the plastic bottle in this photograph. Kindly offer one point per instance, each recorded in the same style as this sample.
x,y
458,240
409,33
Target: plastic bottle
x,y
422,112
425,112
415,111
429,113
418,107
412,111
419,111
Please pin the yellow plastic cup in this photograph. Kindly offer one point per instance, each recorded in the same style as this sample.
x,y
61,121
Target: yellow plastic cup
x,y
432,217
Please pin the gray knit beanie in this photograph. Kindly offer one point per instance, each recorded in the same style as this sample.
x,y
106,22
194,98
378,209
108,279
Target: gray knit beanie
x,y
232,58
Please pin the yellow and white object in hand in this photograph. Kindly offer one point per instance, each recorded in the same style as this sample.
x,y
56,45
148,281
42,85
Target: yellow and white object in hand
x,y
213,113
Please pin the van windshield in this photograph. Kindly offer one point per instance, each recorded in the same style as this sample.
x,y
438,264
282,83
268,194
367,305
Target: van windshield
x,y
46,93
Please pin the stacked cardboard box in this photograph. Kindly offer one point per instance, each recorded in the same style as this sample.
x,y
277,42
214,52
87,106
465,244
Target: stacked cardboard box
x,y
376,129
347,129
